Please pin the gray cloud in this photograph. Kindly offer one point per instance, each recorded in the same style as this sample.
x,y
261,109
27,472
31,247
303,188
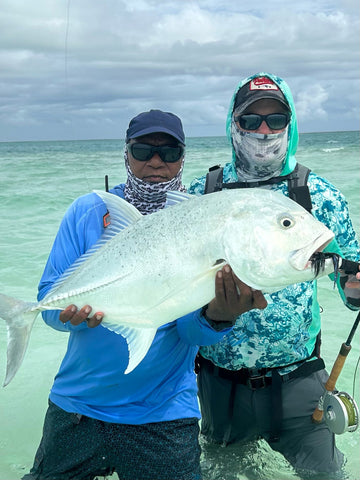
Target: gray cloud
x,y
81,69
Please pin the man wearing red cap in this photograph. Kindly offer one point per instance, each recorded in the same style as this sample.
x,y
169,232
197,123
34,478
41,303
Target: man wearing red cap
x,y
265,378
142,425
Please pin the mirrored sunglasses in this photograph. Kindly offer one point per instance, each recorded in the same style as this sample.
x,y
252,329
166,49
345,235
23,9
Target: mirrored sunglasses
x,y
144,152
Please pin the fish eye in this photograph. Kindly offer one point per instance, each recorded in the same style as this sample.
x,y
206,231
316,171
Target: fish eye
x,y
286,221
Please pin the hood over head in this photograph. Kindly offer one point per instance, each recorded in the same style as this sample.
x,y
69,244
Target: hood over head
x,y
257,87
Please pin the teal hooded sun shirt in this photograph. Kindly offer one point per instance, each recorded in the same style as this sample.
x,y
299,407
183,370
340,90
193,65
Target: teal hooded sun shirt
x,y
285,332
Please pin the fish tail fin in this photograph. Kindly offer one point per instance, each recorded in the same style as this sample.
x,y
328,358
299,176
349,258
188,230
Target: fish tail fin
x,y
19,317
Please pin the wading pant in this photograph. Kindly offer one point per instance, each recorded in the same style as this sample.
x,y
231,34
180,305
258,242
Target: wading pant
x,y
234,413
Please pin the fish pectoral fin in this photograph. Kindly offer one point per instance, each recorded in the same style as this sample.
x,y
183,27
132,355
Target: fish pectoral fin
x,y
138,340
188,291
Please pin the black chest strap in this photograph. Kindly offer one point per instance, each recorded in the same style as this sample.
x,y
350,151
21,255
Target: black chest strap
x,y
297,184
298,187
214,179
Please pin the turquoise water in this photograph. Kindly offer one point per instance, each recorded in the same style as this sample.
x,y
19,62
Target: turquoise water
x,y
38,182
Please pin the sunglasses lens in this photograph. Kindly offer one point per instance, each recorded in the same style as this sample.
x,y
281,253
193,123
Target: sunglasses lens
x,y
277,121
171,154
252,121
144,152
141,151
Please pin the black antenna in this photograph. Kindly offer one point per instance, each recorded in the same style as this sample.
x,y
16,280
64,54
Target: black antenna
x,y
106,183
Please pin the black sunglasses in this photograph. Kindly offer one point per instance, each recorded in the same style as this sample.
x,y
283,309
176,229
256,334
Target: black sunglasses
x,y
144,152
252,121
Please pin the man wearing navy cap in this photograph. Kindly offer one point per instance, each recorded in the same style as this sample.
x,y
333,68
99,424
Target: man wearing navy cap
x,y
143,425
154,159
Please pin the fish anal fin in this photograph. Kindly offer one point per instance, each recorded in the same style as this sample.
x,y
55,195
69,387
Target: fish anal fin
x,y
138,341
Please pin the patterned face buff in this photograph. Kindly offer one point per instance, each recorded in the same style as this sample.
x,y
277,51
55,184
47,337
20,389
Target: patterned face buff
x,y
149,197
258,156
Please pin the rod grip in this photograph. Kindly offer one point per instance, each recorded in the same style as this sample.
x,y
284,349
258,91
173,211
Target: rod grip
x,y
331,381
337,367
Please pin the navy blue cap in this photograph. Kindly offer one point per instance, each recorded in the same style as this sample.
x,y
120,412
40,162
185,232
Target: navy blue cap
x,y
155,121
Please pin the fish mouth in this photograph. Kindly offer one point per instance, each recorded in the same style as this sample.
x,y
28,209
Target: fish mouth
x,y
318,262
304,258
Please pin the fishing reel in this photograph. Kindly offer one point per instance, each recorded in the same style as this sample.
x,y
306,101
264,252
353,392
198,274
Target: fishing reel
x,y
338,409
341,414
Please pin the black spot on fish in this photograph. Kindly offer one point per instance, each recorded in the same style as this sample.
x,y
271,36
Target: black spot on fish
x,y
219,262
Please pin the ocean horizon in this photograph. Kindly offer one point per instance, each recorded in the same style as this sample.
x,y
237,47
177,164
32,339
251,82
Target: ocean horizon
x,y
96,139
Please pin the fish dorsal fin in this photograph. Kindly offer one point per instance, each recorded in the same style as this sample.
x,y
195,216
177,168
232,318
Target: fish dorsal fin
x,y
138,340
122,214
174,197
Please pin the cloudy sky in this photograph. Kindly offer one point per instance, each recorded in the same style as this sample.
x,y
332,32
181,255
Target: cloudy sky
x,y
81,69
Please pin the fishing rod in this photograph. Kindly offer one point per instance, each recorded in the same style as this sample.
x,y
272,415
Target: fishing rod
x,y
339,408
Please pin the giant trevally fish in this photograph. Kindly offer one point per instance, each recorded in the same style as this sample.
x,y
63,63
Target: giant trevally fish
x,y
146,271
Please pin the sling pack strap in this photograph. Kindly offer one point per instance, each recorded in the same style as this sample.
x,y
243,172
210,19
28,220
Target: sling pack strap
x,y
214,179
297,184
298,187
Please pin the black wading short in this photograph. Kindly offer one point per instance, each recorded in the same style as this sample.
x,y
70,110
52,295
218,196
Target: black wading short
x,y
78,447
